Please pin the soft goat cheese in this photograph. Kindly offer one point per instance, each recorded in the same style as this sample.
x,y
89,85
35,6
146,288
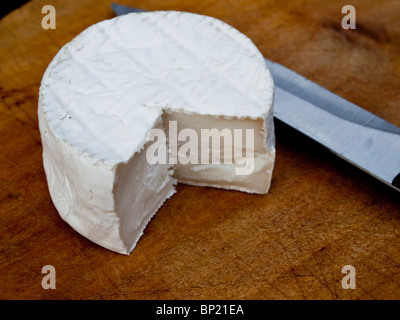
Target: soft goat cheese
x,y
116,81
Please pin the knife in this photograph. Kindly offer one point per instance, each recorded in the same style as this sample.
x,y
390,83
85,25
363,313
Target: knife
x,y
363,139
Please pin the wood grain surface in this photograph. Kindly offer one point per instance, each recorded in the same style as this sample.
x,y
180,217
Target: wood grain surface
x,y
320,214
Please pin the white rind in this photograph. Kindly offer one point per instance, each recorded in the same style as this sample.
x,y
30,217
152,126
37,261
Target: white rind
x,y
110,85
212,69
80,188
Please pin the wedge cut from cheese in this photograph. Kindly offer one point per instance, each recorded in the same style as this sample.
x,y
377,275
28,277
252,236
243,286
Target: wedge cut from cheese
x,y
110,88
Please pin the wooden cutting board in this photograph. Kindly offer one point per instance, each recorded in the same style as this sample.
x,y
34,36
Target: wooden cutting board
x,y
320,215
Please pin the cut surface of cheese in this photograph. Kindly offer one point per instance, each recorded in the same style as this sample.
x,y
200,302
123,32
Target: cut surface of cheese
x,y
105,92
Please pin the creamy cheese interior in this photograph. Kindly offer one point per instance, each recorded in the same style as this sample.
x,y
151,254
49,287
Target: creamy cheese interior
x,y
140,189
224,174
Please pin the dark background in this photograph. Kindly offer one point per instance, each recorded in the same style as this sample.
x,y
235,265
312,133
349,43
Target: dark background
x,y
9,5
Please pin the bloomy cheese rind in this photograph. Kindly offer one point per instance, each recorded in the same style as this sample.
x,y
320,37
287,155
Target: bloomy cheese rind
x,y
75,55
80,189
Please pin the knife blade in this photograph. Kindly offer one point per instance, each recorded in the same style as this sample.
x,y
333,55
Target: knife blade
x,y
363,139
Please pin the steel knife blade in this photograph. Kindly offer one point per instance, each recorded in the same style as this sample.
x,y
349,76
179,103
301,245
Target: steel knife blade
x,y
349,131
